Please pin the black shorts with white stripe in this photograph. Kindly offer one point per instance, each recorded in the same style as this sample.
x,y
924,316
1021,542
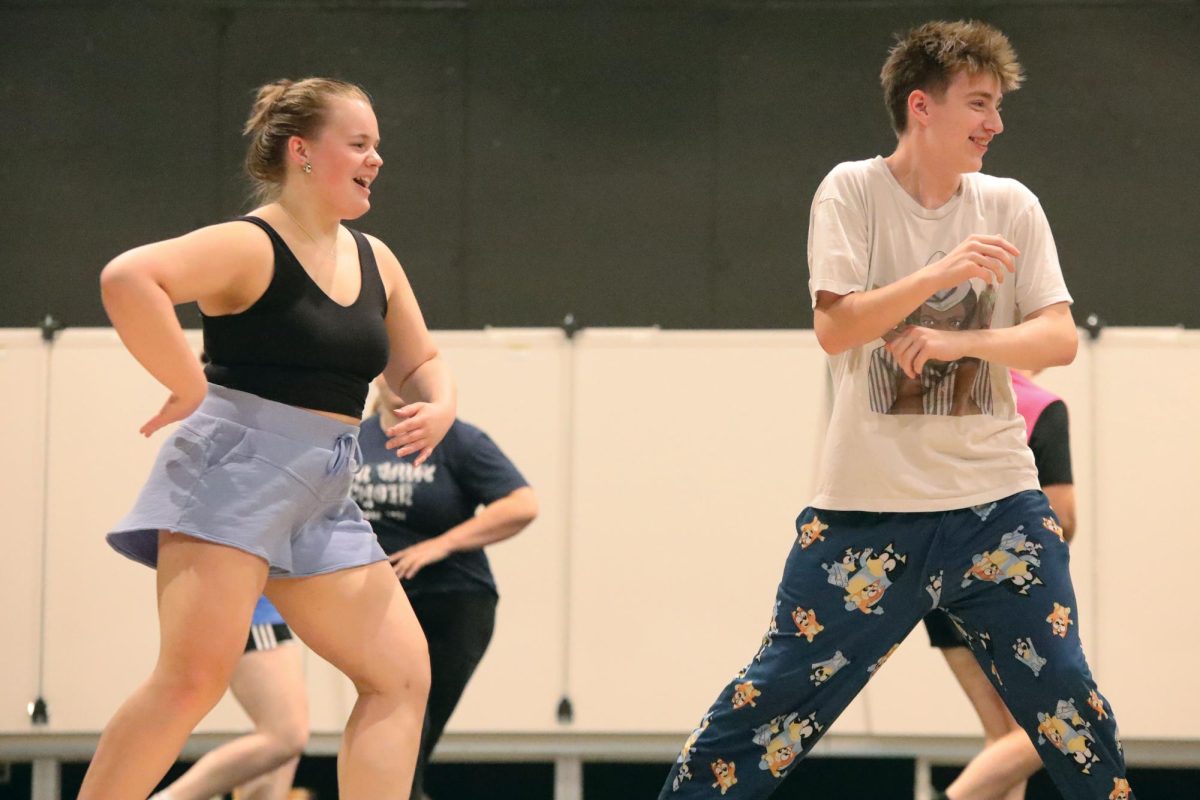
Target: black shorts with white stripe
x,y
267,636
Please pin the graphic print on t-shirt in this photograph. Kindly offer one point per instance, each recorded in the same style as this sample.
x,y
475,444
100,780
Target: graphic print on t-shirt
x,y
390,488
955,388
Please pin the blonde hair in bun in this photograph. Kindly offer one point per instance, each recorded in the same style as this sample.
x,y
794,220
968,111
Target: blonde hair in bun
x,y
283,109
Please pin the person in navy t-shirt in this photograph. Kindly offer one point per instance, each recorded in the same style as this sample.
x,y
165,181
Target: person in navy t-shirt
x,y
430,522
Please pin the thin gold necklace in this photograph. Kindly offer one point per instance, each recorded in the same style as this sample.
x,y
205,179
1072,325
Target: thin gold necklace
x,y
333,248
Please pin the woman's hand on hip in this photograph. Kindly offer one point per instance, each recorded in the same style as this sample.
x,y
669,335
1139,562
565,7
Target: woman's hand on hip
x,y
421,427
177,407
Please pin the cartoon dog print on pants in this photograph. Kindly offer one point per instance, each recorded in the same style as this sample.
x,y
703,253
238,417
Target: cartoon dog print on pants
x,y
1060,620
866,576
725,773
1029,656
1070,733
684,772
783,740
1012,564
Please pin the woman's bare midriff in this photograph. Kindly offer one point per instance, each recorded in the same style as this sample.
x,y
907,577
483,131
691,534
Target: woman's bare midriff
x,y
346,418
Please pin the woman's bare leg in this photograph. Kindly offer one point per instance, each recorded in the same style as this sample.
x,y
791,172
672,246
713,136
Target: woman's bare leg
x,y
1000,770
1007,762
360,621
206,597
269,685
273,785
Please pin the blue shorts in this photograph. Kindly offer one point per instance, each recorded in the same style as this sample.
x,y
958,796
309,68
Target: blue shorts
x,y
264,477
265,613
267,637
267,628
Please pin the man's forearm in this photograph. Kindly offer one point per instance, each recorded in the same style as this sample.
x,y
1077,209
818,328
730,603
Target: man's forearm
x,y
852,320
1047,340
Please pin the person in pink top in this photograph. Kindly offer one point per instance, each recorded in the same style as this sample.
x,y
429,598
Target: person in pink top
x,y
1002,768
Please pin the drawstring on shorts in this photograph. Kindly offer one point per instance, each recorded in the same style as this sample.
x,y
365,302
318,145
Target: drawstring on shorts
x,y
346,452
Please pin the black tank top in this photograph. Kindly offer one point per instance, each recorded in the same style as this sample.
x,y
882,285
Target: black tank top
x,y
296,345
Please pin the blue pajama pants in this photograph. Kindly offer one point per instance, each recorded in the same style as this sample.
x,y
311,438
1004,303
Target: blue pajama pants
x,y
854,585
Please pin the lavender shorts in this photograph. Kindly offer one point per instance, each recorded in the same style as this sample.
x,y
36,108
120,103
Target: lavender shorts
x,y
264,477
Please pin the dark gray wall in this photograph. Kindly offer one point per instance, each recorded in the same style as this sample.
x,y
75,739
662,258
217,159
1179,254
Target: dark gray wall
x,y
634,163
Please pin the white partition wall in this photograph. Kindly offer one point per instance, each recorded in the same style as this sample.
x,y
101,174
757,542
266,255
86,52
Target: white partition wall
x,y
693,454
669,467
22,425
1147,438
513,384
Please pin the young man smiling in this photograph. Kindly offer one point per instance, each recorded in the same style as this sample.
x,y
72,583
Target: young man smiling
x,y
928,495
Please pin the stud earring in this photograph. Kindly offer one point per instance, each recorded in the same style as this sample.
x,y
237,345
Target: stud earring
x,y
307,168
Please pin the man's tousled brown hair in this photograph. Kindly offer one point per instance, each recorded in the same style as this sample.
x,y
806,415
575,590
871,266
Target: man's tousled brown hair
x,y
928,57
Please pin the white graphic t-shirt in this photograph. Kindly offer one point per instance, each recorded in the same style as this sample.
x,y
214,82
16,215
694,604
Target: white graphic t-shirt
x,y
951,438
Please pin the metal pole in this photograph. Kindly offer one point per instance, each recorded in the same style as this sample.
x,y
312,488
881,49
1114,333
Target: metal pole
x,y
568,778
566,710
46,784
39,713
922,779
